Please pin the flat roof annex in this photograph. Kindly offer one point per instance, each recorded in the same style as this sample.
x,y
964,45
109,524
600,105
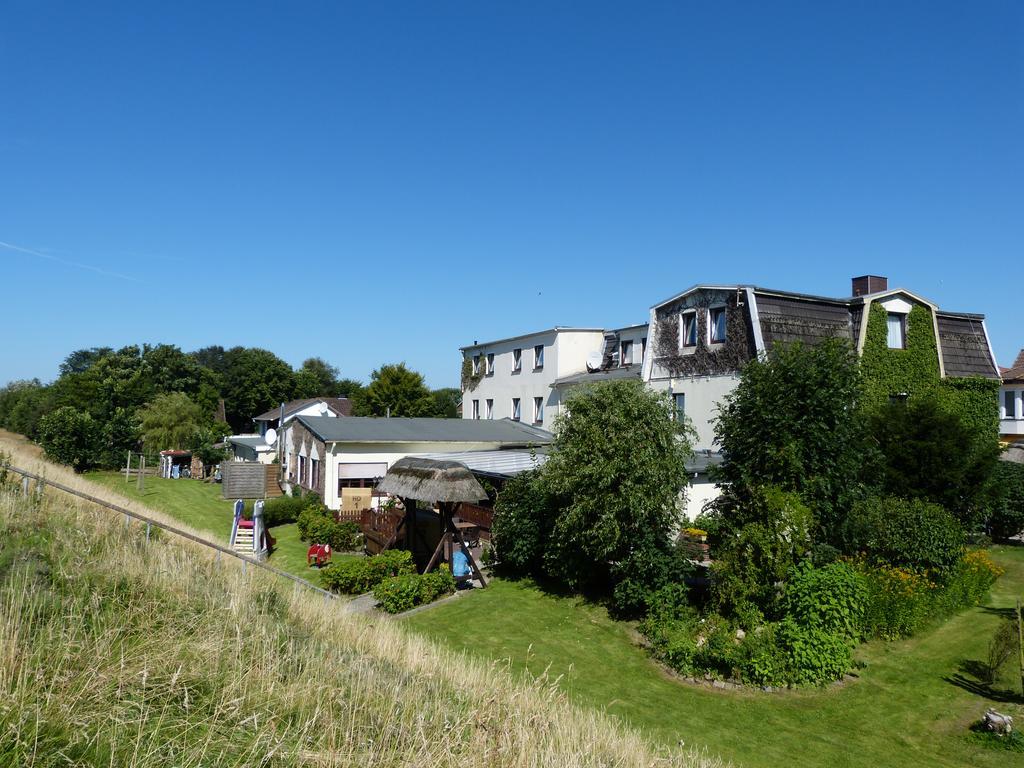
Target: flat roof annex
x,y
367,429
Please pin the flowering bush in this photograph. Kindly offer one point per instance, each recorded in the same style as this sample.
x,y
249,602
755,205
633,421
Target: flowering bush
x,y
901,601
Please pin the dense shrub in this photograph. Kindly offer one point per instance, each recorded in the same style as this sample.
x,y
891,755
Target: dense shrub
x,y
754,562
522,523
905,533
401,593
317,525
72,437
648,569
832,598
1007,515
812,654
283,510
929,452
774,654
362,574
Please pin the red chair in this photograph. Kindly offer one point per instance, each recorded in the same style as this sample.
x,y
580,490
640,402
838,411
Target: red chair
x,y
319,555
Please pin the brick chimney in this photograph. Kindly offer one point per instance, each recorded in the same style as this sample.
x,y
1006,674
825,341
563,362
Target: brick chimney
x,y
869,284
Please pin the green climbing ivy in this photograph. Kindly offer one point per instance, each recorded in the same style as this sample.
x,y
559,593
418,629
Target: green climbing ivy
x,y
469,379
915,371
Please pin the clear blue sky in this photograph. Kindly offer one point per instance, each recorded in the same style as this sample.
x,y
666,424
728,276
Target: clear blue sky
x,y
373,182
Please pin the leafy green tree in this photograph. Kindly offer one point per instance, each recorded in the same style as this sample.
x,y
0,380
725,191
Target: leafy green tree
x,y
445,402
204,441
82,360
171,370
930,454
614,480
23,404
70,436
170,422
316,378
120,434
394,390
255,380
350,388
792,422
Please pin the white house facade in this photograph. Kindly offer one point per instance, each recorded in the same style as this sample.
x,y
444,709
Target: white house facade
x,y
1011,402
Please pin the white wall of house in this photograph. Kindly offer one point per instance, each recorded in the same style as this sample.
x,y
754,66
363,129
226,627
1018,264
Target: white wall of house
x,y
702,397
700,491
1011,411
565,352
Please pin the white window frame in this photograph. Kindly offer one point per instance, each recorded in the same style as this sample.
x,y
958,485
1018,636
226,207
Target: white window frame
x,y
517,409
689,316
624,345
538,410
489,364
476,365
678,397
538,357
902,317
489,407
711,325
476,409
517,360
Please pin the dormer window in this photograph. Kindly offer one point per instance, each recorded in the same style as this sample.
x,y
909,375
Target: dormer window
x,y
688,330
716,319
896,325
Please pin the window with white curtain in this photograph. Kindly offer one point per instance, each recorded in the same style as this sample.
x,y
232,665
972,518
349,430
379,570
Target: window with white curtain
x,y
897,327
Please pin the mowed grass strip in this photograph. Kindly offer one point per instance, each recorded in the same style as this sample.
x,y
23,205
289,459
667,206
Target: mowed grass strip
x,y
911,705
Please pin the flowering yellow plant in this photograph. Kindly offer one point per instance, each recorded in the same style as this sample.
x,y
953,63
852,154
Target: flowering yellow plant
x,y
694,532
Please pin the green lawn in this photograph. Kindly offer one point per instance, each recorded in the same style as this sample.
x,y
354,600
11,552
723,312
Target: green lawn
x,y
911,706
200,505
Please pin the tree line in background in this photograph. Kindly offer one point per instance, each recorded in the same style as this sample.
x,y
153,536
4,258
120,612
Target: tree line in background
x,y
841,517
106,402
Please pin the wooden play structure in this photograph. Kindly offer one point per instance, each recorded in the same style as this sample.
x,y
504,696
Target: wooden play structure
x,y
445,483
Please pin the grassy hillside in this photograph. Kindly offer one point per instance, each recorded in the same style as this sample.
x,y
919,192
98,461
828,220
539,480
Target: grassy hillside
x,y
115,651
911,706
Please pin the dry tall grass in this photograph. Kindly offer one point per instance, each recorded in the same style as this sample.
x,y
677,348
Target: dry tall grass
x,y
119,652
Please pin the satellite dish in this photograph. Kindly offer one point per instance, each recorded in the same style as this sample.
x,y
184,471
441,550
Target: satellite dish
x,y
323,409
594,361
271,436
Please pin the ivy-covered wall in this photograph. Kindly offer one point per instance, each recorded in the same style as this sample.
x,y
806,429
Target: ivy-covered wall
x,y
886,372
704,360
915,371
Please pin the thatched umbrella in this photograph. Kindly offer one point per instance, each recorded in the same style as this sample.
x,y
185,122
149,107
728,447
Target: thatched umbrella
x,y
431,480
445,482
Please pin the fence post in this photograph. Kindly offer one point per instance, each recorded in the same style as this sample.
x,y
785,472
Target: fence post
x,y
148,526
128,467
1020,646
142,474
24,486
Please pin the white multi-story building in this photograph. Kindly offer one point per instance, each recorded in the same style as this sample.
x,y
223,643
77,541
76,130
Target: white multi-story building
x,y
1011,402
525,378
700,339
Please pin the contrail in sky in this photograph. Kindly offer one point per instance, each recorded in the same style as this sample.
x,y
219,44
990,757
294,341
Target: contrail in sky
x,y
67,263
